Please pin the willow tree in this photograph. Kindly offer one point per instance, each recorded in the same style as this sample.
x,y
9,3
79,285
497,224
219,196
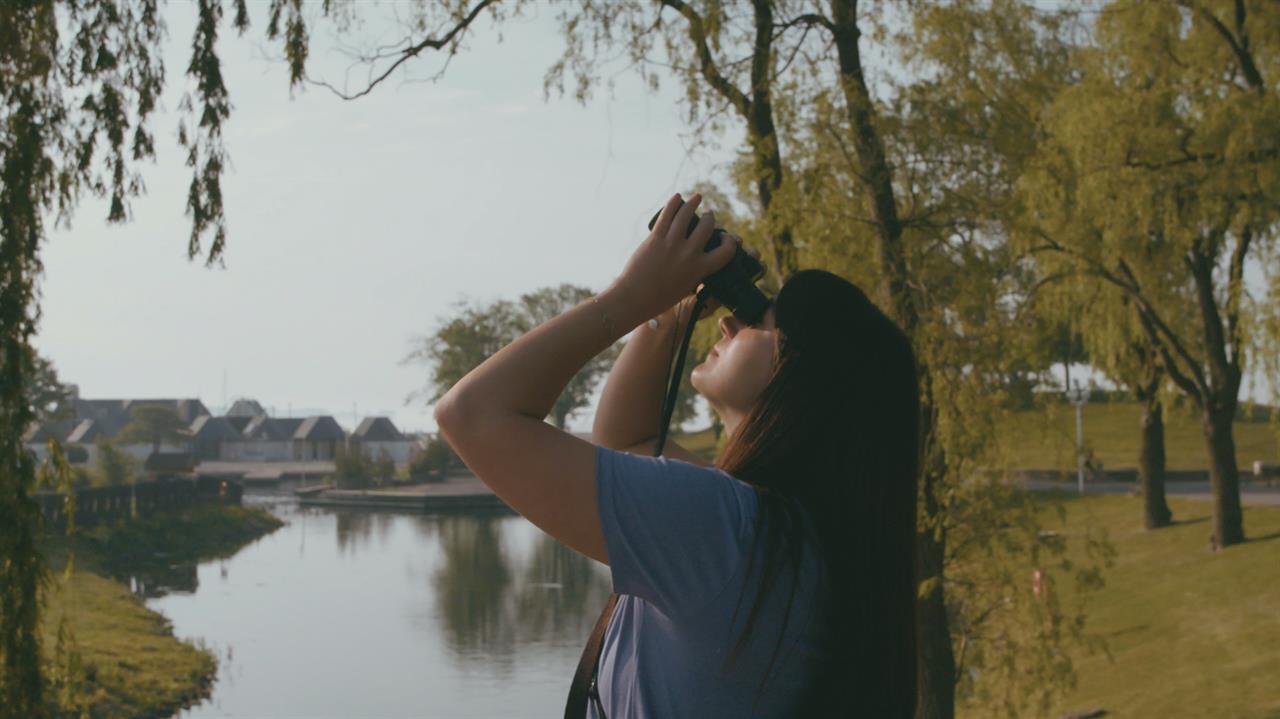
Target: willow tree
x,y
79,80
1111,333
77,84
1169,148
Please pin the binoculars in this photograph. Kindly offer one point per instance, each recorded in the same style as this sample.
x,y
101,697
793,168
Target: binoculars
x,y
734,284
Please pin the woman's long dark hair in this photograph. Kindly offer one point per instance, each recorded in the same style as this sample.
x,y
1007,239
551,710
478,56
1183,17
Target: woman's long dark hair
x,y
836,431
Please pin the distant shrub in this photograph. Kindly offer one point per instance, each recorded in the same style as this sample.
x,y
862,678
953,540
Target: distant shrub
x,y
76,454
434,460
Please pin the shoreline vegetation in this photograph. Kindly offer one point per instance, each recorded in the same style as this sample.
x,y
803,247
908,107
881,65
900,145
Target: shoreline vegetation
x,y
130,662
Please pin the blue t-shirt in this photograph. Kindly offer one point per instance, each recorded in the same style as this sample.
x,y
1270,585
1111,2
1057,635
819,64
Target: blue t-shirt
x,y
678,537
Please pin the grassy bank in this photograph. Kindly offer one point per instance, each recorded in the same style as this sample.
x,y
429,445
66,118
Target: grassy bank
x,y
1046,438
133,665
1191,633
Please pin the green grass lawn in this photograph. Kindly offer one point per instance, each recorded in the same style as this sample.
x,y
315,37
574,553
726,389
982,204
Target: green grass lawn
x,y
1046,438
133,665
1192,633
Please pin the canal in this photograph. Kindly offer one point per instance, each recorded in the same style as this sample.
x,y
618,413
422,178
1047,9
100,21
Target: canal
x,y
358,613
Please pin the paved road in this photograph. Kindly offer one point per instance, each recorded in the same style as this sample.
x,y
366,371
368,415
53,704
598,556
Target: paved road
x,y
1249,494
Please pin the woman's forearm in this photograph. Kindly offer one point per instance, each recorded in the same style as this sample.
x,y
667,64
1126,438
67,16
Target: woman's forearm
x,y
527,376
631,404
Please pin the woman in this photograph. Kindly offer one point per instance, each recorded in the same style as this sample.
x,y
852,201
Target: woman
x,y
778,582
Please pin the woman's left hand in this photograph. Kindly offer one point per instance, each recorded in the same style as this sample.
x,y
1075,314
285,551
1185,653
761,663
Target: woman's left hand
x,y
668,266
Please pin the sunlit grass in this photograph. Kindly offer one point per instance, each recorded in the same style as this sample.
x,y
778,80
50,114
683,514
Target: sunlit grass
x,y
1046,438
1191,632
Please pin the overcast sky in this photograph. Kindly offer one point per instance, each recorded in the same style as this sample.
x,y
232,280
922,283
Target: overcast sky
x,y
353,226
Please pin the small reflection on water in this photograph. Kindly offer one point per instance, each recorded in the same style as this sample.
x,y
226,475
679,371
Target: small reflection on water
x,y
157,579
458,614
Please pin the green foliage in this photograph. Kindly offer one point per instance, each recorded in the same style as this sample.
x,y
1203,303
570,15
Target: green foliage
x,y
356,468
77,454
153,424
384,468
436,458
1157,183
115,466
49,398
65,668
200,531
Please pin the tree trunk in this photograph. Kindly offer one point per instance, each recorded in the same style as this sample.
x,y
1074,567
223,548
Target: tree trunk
x,y
935,689
763,137
935,658
1155,511
1224,475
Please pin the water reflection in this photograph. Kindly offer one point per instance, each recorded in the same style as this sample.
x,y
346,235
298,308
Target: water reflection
x,y
561,593
156,579
471,587
489,604
457,614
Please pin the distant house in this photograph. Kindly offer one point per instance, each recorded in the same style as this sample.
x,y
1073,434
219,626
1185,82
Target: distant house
x,y
266,439
318,437
117,411
245,407
86,432
94,418
377,434
212,437
41,432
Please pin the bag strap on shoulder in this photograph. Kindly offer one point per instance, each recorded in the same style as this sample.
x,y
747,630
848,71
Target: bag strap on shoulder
x,y
588,664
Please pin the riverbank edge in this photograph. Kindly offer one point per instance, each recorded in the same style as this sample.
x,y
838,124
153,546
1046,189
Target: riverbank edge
x,y
132,664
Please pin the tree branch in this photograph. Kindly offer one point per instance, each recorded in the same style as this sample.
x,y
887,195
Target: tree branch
x,y
1239,48
1151,319
403,56
1171,338
1235,290
808,20
698,34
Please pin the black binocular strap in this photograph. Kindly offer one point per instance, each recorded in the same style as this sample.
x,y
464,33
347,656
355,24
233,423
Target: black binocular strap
x,y
585,677
584,680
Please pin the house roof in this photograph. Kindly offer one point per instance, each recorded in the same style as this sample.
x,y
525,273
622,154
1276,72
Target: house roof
x,y
238,423
208,428
289,425
263,427
319,428
170,462
114,413
245,407
377,429
86,431
41,431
